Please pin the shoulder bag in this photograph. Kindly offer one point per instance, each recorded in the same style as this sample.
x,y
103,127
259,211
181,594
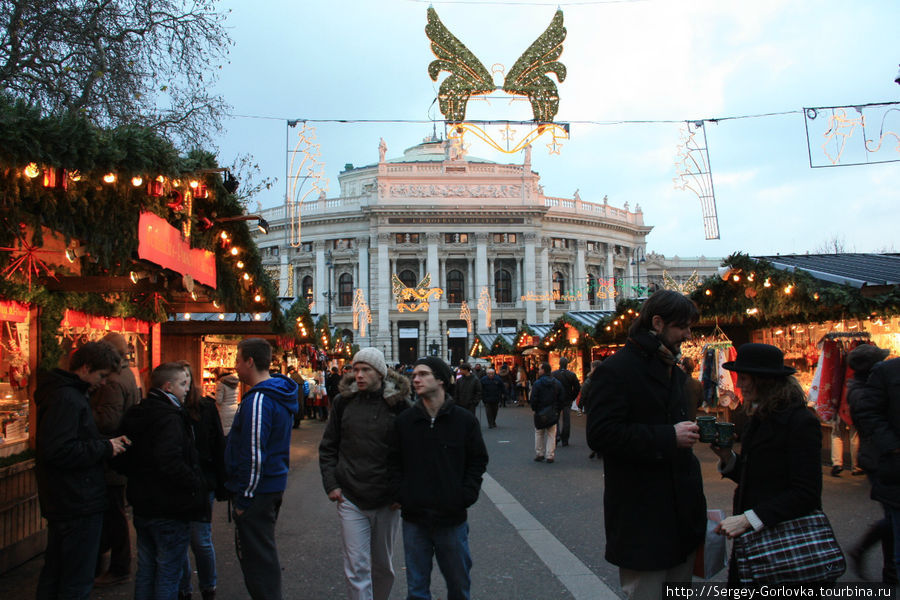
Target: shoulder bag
x,y
802,550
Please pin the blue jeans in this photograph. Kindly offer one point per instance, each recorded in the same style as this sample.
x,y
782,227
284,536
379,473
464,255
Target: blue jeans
x,y
204,557
70,558
162,545
450,545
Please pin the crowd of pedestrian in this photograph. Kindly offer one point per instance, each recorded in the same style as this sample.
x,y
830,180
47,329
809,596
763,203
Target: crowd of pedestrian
x,y
402,453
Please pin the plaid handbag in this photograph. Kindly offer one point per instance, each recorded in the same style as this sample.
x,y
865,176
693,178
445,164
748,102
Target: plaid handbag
x,y
800,550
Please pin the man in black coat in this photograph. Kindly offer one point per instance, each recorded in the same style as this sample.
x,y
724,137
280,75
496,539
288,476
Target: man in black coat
x,y
654,508
571,387
468,389
493,392
442,459
70,456
547,394
877,416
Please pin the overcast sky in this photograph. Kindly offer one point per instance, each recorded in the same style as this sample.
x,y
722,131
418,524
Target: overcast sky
x,y
650,60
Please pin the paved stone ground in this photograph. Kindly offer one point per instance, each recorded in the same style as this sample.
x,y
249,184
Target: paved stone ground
x,y
536,531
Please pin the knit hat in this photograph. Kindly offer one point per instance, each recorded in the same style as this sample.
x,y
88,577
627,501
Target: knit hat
x,y
372,357
866,356
439,368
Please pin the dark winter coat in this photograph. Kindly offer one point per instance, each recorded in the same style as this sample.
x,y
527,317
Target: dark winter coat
x,y
878,416
441,464
868,453
468,391
779,469
163,468
209,440
357,448
546,391
493,390
109,404
654,507
70,450
569,381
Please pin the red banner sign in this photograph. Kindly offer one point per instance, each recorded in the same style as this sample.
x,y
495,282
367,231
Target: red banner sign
x,y
162,244
74,318
12,311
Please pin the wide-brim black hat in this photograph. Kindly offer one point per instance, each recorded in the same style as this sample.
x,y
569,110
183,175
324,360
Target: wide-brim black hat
x,y
759,359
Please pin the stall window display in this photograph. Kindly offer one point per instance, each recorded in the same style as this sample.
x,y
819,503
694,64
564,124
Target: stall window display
x,y
14,374
219,353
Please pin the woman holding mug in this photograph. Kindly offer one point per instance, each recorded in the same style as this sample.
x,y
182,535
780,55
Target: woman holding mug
x,y
778,470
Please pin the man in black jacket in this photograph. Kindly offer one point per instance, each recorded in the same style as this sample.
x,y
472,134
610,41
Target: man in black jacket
x,y
493,392
70,456
468,389
877,414
442,460
571,387
164,482
654,508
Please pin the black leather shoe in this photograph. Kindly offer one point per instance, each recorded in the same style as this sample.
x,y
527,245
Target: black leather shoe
x,y
836,470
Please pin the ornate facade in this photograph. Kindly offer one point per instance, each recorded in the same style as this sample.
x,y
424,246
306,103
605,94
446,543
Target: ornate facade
x,y
479,229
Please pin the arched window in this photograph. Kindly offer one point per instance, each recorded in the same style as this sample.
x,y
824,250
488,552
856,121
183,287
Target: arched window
x,y
502,286
408,278
559,286
307,288
591,288
345,290
456,287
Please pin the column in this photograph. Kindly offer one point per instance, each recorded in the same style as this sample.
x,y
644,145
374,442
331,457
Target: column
x,y
431,266
283,275
384,292
581,276
442,283
610,302
481,276
547,287
363,280
321,283
530,282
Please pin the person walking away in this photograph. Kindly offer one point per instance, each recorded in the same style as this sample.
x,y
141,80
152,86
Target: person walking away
x,y
493,391
357,463
585,393
209,439
468,389
164,482
257,460
302,393
654,507
442,459
778,471
109,403
547,393
874,407
571,386
70,454
226,399
521,387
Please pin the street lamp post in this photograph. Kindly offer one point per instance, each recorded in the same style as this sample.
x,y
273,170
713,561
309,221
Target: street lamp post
x,y
637,258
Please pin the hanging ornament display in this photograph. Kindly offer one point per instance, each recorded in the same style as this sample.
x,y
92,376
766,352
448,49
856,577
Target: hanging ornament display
x,y
417,298
695,174
484,305
361,313
304,168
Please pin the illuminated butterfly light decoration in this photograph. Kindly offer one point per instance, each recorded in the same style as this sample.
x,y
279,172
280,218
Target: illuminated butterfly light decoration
x,y
528,77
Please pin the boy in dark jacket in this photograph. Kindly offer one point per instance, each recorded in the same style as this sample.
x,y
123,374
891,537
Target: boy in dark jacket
x,y
442,460
69,463
164,481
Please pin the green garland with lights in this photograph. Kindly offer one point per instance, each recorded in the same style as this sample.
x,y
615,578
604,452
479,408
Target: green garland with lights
x,y
756,295
104,216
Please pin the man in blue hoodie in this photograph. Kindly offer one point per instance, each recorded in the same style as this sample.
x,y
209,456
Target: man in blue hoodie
x,y
256,459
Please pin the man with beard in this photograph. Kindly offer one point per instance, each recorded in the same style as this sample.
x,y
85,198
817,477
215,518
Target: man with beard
x,y
654,508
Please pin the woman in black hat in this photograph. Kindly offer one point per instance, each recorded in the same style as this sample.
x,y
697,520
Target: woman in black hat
x,y
778,470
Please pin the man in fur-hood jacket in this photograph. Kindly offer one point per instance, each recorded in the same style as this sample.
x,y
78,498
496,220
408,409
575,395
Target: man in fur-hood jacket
x,y
355,458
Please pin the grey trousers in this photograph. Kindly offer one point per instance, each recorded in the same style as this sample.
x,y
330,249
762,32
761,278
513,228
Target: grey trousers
x,y
254,543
